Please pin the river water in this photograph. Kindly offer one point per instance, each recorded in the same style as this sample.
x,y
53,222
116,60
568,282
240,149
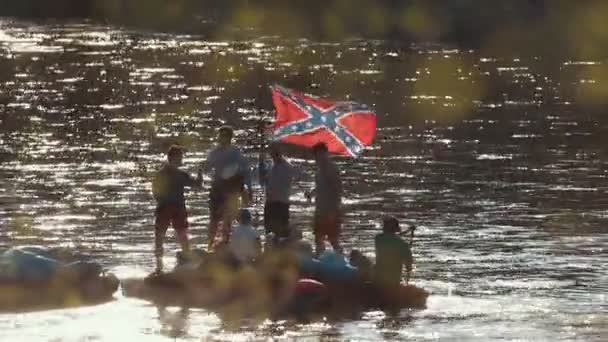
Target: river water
x,y
499,161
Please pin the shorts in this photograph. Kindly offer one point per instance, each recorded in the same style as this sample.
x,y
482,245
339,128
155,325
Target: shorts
x,y
223,206
171,214
328,225
276,218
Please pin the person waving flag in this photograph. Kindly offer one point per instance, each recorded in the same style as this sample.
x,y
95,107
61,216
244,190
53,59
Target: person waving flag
x,y
306,120
325,126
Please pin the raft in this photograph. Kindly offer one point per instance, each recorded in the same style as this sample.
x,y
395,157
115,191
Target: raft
x,y
335,300
275,290
37,278
56,293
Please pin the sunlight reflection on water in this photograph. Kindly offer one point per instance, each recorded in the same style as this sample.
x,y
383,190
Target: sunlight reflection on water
x,y
510,197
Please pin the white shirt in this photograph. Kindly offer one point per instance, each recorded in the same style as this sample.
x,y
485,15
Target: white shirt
x,y
227,162
244,243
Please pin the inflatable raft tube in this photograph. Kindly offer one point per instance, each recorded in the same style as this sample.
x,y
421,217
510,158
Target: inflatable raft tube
x,y
56,293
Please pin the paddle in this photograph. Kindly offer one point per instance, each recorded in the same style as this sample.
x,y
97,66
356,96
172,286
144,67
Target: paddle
x,y
262,141
410,230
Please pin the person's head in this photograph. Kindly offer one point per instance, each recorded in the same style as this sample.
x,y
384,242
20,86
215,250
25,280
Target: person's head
x,y
224,135
304,248
275,151
175,154
245,217
390,224
355,256
319,150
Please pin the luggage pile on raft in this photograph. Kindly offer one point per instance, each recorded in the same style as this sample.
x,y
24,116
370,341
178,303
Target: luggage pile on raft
x,y
33,278
280,284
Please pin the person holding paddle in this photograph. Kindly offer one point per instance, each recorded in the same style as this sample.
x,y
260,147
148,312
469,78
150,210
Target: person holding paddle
x,y
168,190
392,252
230,175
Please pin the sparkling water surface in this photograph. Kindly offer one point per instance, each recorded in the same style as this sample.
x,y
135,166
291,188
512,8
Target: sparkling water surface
x,y
505,178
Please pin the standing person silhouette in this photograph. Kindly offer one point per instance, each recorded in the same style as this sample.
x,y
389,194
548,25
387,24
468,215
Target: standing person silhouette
x,y
168,190
328,200
392,253
278,182
230,175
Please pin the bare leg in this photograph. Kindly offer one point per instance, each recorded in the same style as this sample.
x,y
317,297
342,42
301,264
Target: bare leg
x,y
335,244
182,238
333,235
319,233
319,243
212,232
226,230
159,238
230,212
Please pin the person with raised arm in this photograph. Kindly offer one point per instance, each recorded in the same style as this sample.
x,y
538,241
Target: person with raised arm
x,y
328,200
392,253
168,190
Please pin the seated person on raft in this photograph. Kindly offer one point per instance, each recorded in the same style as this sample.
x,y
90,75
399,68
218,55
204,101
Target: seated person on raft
x,y
330,266
308,265
392,252
168,190
244,243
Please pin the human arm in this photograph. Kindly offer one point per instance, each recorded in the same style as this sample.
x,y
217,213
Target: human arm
x,y
258,245
196,183
246,173
209,164
296,175
199,178
297,171
157,186
262,170
309,194
336,181
406,256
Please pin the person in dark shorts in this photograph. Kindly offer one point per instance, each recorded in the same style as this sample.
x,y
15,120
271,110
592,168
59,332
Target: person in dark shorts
x,y
168,190
278,188
230,175
328,198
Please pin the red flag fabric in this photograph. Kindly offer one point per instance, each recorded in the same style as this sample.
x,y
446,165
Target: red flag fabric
x,y
345,127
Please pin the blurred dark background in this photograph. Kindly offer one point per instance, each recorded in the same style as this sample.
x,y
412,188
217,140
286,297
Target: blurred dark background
x,y
534,26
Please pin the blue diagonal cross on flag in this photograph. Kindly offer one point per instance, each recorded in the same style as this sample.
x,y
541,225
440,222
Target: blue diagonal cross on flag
x,y
301,119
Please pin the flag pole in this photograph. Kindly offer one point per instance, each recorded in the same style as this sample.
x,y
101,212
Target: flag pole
x,y
413,227
261,165
411,231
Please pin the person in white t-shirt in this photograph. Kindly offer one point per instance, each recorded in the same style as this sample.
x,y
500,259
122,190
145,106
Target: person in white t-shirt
x,y
244,244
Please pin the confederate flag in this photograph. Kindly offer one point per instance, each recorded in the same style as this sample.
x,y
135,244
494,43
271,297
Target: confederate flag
x,y
346,127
